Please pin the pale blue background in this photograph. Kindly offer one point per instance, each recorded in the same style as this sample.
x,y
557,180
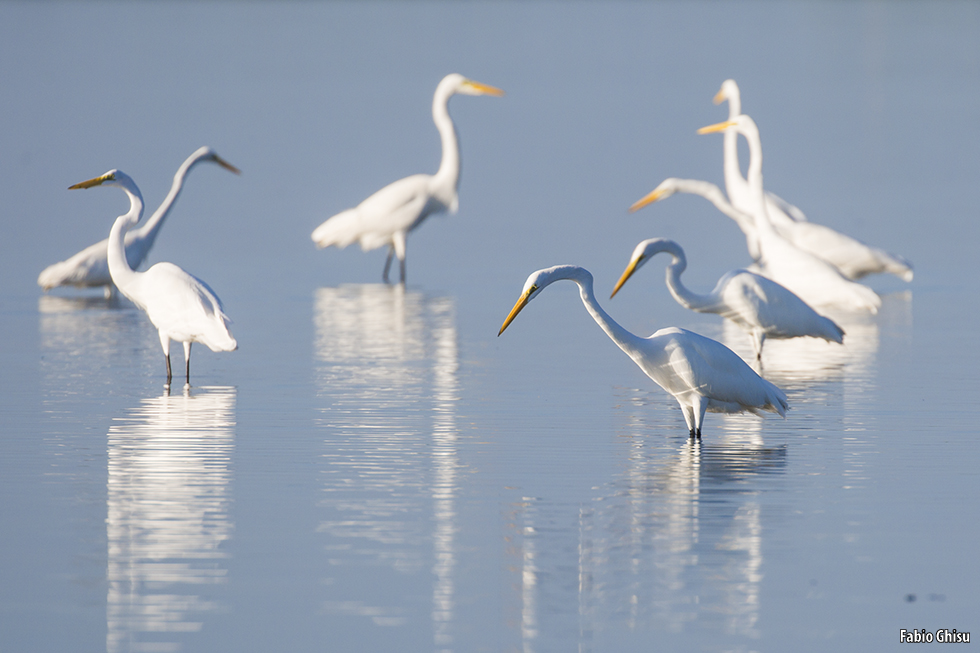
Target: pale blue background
x,y
564,511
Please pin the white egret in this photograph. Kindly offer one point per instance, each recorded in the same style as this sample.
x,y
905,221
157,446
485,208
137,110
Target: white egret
x,y
387,216
758,305
90,267
853,258
700,373
814,280
180,306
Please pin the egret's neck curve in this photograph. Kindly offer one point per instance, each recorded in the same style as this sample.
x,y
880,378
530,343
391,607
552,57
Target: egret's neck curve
x,y
684,296
149,229
122,275
449,168
623,338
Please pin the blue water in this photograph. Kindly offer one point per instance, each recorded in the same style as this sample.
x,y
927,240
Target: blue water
x,y
374,469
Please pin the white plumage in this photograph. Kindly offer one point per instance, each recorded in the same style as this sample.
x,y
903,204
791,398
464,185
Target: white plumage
x,y
180,306
816,281
90,267
700,373
850,256
387,216
758,305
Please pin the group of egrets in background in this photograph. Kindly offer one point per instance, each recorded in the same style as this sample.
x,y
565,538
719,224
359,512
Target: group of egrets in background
x,y
799,266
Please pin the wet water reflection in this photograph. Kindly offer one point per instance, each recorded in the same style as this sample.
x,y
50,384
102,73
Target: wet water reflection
x,y
386,377
672,544
169,476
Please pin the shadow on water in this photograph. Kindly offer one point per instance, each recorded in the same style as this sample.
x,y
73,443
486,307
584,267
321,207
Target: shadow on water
x,y
386,378
169,476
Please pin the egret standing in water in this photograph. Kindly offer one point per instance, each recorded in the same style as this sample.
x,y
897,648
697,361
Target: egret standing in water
x,y
180,306
90,267
701,374
758,305
387,217
814,280
850,256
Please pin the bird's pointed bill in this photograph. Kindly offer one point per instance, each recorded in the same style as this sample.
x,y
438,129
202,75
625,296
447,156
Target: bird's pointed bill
x,y
97,181
227,166
630,269
721,126
719,97
650,198
486,89
521,303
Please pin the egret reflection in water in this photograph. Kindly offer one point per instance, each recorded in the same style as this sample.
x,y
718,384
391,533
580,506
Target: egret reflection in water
x,y
169,475
386,378
674,527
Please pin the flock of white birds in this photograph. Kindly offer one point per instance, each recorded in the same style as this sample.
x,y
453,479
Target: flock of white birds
x,y
799,267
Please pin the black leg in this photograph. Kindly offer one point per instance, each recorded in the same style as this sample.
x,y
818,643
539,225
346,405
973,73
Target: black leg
x,y
692,433
169,375
401,265
391,253
188,370
699,433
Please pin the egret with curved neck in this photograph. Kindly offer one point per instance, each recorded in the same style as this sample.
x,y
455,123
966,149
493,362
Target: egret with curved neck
x,y
758,305
387,216
814,280
90,267
700,373
180,306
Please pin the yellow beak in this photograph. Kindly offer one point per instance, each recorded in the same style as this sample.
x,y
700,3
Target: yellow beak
x,y
485,89
721,126
98,181
630,269
521,303
647,199
719,97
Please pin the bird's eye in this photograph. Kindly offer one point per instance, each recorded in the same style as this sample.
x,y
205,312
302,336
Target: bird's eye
x,y
532,290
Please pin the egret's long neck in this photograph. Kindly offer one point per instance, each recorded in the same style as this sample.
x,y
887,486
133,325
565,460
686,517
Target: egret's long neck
x,y
449,167
122,275
754,177
684,296
149,229
626,340
734,182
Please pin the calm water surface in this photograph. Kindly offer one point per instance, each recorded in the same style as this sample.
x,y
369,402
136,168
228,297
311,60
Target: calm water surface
x,y
374,470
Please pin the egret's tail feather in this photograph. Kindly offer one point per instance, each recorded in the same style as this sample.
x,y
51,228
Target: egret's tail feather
x,y
338,231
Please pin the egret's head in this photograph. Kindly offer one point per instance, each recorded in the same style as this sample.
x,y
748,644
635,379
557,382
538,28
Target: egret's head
x,y
741,123
537,282
666,188
464,86
641,254
208,154
729,91
111,178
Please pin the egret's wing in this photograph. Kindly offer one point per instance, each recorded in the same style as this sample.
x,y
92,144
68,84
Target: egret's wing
x,y
396,207
713,370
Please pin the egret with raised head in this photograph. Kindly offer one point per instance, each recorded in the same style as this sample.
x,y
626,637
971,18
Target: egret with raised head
x,y
90,267
180,306
852,258
387,217
814,280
